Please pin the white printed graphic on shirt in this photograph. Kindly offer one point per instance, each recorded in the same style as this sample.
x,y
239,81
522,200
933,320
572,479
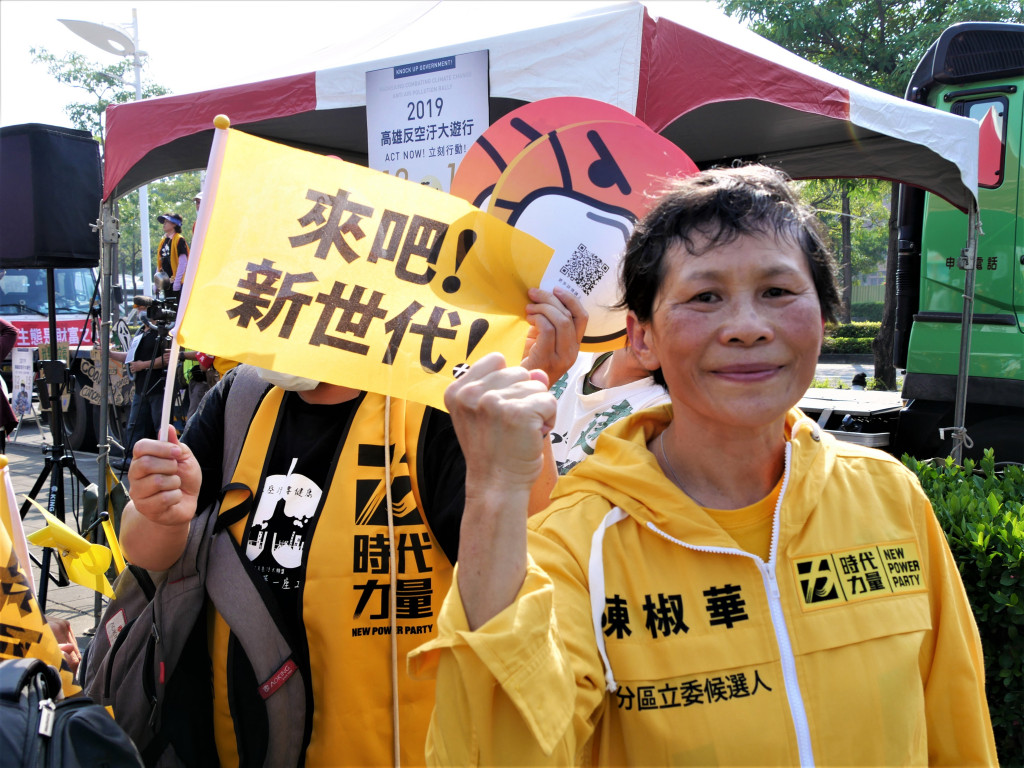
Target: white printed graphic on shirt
x,y
285,508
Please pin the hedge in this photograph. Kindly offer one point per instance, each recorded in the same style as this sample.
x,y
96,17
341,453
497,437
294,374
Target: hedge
x,y
845,346
981,509
870,310
859,330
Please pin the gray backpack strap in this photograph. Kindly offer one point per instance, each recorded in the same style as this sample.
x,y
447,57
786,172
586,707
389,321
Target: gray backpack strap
x,y
243,397
281,686
229,583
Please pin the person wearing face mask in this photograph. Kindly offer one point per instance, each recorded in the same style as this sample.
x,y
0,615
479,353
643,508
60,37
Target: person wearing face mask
x,y
351,533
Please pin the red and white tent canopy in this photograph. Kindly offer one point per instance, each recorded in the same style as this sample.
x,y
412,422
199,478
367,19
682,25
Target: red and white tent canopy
x,y
709,85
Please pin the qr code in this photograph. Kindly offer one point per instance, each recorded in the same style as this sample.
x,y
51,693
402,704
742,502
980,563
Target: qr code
x,y
584,268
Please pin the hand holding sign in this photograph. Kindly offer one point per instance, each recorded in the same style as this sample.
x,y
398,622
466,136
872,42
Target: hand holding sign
x,y
581,189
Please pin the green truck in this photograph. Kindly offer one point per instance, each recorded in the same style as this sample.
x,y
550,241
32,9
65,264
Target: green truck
x,y
976,70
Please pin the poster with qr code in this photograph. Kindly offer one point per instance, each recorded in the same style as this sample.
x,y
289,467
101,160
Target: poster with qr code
x,y
581,189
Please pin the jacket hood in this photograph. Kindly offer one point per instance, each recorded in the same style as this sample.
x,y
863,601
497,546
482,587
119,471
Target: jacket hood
x,y
625,473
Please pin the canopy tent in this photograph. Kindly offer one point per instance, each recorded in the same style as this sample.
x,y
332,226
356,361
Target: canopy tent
x,y
714,88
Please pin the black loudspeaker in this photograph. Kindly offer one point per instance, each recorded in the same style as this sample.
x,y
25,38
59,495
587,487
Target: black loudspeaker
x,y
50,191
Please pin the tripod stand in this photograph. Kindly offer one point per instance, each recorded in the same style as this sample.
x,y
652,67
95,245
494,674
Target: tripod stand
x,y
57,456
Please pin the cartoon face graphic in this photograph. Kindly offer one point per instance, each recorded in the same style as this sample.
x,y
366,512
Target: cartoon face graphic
x,y
580,190
502,142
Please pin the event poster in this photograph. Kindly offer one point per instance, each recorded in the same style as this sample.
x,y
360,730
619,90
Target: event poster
x,y
422,117
22,376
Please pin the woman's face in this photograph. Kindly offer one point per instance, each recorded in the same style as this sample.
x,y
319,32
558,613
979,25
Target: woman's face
x,y
168,226
736,331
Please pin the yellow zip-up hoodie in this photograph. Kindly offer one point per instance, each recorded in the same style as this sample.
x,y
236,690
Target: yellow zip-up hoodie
x,y
643,636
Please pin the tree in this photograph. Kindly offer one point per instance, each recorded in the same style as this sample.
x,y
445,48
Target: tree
x,y
111,85
174,194
856,217
879,45
107,85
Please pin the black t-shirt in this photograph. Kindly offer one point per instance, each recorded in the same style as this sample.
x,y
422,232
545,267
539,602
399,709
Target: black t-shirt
x,y
150,381
441,471
165,254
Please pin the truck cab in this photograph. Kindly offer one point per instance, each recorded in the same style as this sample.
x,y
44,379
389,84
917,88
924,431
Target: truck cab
x,y
975,70
24,301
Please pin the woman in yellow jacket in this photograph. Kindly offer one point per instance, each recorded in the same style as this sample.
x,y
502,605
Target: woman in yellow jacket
x,y
720,583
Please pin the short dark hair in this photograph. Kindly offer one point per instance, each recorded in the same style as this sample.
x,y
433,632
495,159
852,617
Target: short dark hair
x,y
711,209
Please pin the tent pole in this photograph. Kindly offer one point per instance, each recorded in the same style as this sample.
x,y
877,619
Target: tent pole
x,y
110,236
968,262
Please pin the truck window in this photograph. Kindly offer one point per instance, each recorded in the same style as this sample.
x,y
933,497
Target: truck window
x,y
991,113
24,291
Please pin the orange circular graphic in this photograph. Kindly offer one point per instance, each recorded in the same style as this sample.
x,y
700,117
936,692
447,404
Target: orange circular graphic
x,y
499,145
581,189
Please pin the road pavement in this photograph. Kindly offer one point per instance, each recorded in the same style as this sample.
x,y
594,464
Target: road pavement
x,y
27,462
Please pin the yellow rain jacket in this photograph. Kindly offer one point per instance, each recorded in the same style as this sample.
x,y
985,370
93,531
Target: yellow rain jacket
x,y
642,635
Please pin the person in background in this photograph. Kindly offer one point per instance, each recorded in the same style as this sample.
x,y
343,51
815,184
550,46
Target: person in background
x,y
198,200
8,420
721,582
146,359
317,458
172,251
860,381
596,392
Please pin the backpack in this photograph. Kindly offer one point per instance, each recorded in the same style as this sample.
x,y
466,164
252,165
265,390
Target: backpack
x,y
38,732
149,660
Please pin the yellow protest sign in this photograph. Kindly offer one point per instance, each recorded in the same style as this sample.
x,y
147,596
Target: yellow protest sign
x,y
317,267
23,631
85,563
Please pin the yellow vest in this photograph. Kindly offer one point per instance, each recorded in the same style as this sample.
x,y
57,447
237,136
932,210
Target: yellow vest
x,y
174,252
345,600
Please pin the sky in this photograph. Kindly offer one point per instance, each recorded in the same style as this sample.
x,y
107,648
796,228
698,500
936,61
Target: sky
x,y
191,46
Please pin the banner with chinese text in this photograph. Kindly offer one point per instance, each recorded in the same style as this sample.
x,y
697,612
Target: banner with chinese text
x,y
320,268
422,117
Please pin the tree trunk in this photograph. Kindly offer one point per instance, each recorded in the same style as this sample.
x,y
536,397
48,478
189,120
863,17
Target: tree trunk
x,y
882,346
847,260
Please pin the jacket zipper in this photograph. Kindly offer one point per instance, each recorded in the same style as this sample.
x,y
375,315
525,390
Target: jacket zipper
x,y
797,711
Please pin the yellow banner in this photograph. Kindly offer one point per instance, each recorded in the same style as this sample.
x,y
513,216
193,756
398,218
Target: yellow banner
x,y
317,267
23,632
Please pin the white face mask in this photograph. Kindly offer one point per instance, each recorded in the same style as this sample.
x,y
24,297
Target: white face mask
x,y
286,380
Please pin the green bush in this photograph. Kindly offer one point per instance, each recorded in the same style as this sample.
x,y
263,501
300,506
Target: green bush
x,y
871,310
845,346
982,512
865,330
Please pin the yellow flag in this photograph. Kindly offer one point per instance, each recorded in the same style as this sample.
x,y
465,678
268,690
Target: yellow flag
x,y
317,267
85,563
23,632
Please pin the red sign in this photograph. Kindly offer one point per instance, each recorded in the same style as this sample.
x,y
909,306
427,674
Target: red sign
x,y
32,333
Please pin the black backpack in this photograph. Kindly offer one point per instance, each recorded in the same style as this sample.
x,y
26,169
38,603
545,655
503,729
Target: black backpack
x,y
36,731
149,660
